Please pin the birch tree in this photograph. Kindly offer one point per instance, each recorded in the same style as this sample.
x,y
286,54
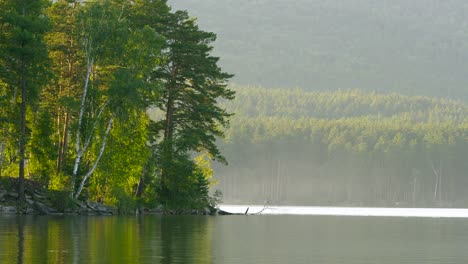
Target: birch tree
x,y
119,58
96,21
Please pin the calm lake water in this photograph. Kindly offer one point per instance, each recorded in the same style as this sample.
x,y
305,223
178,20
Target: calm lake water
x,y
233,239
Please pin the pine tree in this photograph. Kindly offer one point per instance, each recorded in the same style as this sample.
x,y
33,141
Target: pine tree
x,y
60,96
193,84
23,27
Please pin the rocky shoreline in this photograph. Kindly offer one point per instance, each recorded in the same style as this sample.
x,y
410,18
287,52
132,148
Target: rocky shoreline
x,y
43,202
40,204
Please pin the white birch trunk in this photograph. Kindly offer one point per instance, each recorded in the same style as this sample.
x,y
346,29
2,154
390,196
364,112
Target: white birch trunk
x,y
101,151
79,150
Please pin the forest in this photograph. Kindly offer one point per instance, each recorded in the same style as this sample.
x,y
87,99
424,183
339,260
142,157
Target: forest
x,y
346,147
76,81
124,103
413,47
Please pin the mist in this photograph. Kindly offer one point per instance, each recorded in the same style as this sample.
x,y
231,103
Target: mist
x,y
362,119
411,47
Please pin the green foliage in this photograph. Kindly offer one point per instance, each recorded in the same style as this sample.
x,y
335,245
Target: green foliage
x,y
215,199
121,167
92,75
43,151
4,183
193,84
123,201
345,147
24,59
300,103
61,200
186,186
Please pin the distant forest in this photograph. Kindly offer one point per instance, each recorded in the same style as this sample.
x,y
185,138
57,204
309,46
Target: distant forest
x,y
346,147
413,47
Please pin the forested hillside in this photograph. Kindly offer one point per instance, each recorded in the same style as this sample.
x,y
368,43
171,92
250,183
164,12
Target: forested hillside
x,y
413,47
345,148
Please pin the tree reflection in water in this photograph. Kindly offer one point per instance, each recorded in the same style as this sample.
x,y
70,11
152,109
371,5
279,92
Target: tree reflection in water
x,y
143,239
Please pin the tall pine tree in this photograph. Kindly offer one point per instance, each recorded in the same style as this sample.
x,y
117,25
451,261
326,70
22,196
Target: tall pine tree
x,y
23,27
193,84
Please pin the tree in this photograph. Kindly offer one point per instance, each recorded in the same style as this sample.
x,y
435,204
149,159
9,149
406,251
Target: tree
x,y
119,57
23,27
193,84
60,96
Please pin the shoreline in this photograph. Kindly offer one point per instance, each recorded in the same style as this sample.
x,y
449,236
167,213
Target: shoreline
x,y
40,201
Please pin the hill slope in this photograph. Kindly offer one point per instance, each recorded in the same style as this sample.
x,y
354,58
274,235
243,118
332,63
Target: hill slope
x,y
345,148
412,47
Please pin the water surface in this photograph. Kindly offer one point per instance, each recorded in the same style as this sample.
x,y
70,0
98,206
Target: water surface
x,y
233,239
347,211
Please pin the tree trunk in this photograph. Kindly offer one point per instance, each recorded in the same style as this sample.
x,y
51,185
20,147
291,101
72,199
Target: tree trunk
x,y
63,147
22,145
2,153
168,137
60,143
79,150
101,151
141,187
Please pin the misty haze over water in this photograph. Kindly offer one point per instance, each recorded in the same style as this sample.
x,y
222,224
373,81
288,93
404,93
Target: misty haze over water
x,y
386,151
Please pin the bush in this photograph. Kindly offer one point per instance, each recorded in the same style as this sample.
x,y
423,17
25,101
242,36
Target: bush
x,y
61,200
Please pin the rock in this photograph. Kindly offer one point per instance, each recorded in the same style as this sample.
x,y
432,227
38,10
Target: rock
x,y
155,211
94,208
56,213
105,209
8,210
29,201
44,209
69,211
206,211
101,208
13,194
113,209
105,213
37,196
29,211
80,204
41,208
221,212
87,211
3,193
91,205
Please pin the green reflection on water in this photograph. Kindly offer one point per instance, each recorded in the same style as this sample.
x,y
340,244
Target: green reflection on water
x,y
166,239
233,240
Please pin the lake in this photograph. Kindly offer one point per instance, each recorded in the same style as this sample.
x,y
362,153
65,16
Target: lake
x,y
233,239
